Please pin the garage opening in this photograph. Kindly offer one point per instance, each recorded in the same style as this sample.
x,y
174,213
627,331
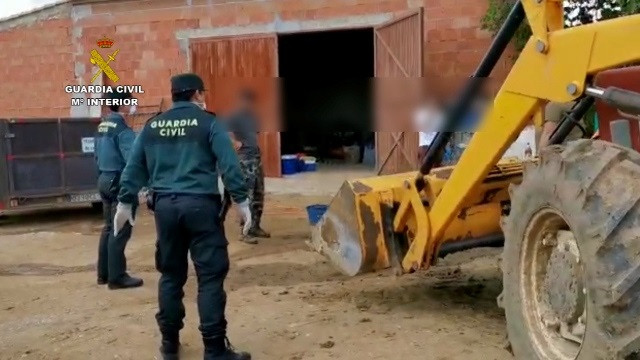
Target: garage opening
x,y
327,97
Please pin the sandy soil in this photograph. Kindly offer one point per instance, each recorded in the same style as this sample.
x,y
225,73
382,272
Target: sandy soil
x,y
284,302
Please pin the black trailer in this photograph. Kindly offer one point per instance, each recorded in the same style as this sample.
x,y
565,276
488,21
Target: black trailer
x,y
47,163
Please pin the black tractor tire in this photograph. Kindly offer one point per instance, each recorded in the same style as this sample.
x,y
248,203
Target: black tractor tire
x,y
595,187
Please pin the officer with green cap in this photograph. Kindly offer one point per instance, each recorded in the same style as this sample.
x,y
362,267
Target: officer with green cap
x,y
178,154
113,142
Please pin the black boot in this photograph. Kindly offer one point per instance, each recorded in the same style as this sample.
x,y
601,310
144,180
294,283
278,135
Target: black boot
x,y
257,231
126,282
248,239
170,347
221,349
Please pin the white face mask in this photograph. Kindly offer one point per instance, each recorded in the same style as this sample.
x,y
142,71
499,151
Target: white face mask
x,y
202,105
133,109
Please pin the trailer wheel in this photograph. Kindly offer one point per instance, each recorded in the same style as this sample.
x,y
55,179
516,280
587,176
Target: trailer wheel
x,y
571,261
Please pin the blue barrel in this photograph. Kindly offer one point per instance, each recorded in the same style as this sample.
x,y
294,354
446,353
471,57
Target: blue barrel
x,y
300,165
309,166
289,164
309,163
315,212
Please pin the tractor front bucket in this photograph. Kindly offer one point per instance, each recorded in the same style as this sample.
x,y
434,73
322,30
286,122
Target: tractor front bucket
x,y
350,234
353,233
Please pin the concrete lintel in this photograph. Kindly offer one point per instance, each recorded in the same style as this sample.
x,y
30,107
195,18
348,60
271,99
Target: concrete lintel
x,y
279,27
282,27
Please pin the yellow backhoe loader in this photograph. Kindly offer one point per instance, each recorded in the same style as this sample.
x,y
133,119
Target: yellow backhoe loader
x,y
569,220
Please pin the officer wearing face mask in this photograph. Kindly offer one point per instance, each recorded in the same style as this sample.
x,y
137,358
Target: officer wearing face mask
x,y
113,143
178,155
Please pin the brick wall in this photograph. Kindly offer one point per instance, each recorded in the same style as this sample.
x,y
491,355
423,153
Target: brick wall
x,y
39,59
146,34
455,44
36,62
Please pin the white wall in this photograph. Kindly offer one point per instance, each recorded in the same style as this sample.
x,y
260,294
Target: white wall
x,y
517,149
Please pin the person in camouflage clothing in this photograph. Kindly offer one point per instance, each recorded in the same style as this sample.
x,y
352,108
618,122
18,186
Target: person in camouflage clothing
x,y
243,126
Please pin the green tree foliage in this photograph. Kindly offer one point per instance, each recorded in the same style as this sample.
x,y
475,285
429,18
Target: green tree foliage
x,y
577,12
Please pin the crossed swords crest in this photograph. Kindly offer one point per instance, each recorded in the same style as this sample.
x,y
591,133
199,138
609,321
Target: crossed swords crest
x,y
98,60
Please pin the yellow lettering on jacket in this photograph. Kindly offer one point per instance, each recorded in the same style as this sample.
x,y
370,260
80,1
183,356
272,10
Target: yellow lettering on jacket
x,y
172,128
104,126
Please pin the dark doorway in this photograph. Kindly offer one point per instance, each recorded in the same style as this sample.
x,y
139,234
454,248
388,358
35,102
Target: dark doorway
x,y
326,94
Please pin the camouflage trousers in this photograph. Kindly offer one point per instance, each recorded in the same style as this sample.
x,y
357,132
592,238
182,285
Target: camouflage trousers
x,y
254,178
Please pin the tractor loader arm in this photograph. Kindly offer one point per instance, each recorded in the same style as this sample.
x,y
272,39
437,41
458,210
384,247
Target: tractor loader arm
x,y
569,221
555,65
402,220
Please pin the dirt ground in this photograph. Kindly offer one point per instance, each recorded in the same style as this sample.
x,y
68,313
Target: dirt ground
x,y
284,302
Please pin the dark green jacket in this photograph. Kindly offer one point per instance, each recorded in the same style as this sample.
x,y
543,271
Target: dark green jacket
x,y
113,143
180,152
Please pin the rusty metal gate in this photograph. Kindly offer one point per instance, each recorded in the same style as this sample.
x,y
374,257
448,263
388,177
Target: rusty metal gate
x,y
232,63
47,162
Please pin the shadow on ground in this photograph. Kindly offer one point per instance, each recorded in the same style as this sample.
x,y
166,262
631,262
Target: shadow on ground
x,y
281,274
441,291
47,220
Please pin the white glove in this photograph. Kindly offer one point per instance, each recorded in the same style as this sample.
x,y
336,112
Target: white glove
x,y
245,214
124,213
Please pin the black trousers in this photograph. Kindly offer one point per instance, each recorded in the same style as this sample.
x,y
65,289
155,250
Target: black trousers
x,y
191,224
112,263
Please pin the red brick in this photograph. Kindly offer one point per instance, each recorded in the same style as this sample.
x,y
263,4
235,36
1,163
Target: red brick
x,y
222,20
482,34
186,23
429,4
462,22
298,5
261,18
145,32
286,15
392,6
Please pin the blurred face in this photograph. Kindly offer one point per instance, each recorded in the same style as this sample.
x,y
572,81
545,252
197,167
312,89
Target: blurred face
x,y
130,109
246,102
198,98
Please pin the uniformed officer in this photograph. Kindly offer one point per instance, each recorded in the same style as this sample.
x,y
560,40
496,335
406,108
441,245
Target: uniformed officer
x,y
113,143
178,153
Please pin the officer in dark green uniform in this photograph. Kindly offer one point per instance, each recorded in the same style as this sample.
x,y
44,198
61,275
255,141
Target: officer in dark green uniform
x,y
178,154
113,143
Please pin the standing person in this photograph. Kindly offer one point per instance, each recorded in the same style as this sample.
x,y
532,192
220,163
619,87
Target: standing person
x,y
243,125
113,143
427,118
178,153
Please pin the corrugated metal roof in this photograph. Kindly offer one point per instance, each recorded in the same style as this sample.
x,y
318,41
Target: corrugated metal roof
x,y
52,5
34,10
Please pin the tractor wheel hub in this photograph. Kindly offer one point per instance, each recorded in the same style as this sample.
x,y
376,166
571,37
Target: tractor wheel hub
x,y
563,281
